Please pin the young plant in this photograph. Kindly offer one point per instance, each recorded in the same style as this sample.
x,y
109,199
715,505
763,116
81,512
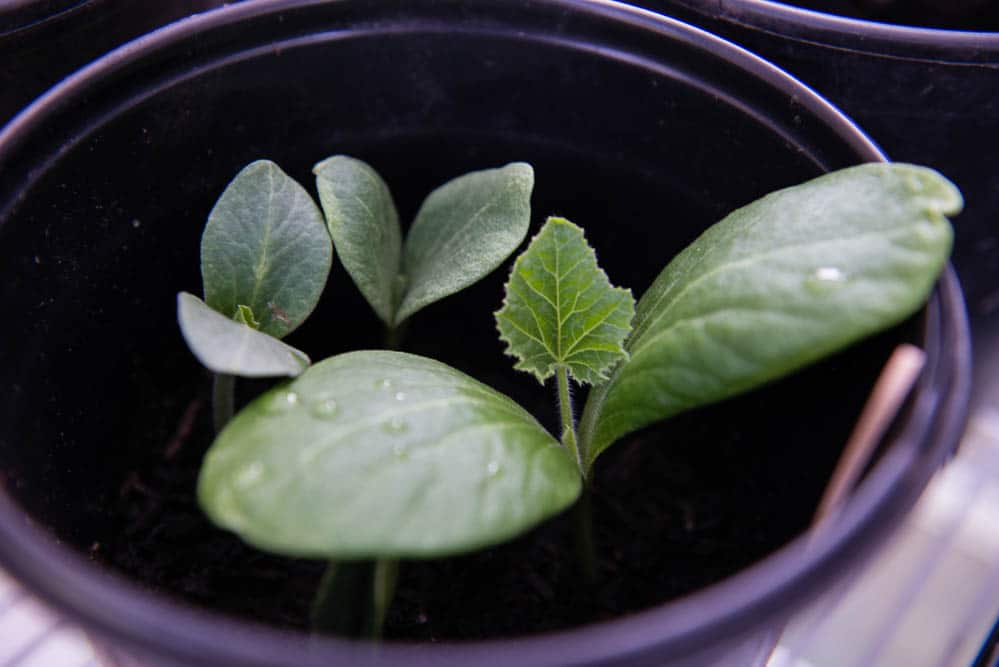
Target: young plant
x,y
374,455
265,259
463,230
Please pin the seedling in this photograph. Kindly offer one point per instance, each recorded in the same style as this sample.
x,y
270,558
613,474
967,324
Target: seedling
x,y
387,455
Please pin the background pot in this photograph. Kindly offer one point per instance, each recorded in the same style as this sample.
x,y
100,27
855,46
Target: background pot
x,y
42,41
641,129
924,95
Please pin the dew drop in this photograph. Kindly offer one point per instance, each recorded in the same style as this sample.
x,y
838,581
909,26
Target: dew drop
x,y
396,425
824,278
493,468
325,408
400,396
282,401
250,475
383,383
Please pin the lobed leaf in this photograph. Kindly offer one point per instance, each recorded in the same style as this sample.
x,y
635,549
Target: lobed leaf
x,y
560,309
463,231
383,454
776,285
231,347
266,247
363,222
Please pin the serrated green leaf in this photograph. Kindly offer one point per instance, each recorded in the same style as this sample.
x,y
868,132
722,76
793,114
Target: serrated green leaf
x,y
774,286
383,454
363,222
463,231
229,347
560,309
265,246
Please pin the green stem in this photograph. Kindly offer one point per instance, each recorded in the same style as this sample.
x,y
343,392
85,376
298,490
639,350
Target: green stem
x,y
353,598
223,400
382,592
394,335
586,549
568,427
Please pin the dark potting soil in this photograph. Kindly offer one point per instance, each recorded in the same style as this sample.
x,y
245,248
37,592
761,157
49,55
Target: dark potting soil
x,y
676,507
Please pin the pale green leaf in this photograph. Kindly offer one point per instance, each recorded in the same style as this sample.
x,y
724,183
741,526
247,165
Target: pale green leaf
x,y
383,454
244,315
560,309
364,225
776,285
230,347
463,231
265,246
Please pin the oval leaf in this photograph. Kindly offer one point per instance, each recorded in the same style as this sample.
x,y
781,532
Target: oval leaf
x,y
560,309
464,230
363,222
265,246
229,347
774,286
383,454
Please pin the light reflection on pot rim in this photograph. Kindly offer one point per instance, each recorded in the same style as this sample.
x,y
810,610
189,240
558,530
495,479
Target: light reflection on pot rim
x,y
887,40
118,610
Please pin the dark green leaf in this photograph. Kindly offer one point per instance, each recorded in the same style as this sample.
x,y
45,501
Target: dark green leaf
x,y
776,285
464,230
383,454
265,247
364,225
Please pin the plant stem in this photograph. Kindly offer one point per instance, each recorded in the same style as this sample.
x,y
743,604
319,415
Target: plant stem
x,y
568,427
382,592
586,549
223,400
394,335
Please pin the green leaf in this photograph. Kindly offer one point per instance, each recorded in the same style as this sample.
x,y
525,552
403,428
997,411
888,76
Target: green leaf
x,y
464,230
383,454
244,315
364,225
774,286
560,309
230,347
266,247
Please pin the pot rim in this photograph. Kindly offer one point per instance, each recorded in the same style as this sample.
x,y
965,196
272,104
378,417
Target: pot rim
x,y
118,609
887,40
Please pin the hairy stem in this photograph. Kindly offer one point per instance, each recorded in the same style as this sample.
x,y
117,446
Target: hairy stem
x,y
223,400
568,427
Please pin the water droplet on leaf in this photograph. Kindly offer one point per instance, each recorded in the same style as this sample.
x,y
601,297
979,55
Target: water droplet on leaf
x,y
493,468
283,401
824,278
383,383
325,408
250,475
400,396
396,425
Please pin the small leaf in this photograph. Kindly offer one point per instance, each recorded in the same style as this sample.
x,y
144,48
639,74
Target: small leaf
x,y
560,309
774,286
383,454
229,347
364,225
464,230
244,315
266,247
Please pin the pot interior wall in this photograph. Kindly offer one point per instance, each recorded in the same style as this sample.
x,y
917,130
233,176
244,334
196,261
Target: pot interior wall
x,y
118,185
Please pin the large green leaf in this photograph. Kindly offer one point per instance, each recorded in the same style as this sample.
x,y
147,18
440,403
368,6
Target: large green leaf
x,y
560,309
231,347
383,454
776,285
365,228
266,247
464,230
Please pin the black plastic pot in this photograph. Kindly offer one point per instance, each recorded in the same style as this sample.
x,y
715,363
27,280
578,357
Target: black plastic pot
x,y
642,129
42,41
924,95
